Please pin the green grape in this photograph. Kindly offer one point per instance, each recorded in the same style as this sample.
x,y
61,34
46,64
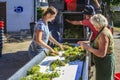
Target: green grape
x,y
81,56
24,78
33,69
65,43
72,53
55,48
56,63
53,66
29,77
54,74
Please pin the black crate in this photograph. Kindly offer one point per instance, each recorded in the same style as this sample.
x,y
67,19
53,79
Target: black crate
x,y
58,4
72,33
54,30
81,5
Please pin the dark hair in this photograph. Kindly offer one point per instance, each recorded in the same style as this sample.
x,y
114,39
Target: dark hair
x,y
89,10
50,10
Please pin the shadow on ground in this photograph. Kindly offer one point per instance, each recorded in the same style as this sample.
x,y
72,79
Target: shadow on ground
x,y
117,36
11,62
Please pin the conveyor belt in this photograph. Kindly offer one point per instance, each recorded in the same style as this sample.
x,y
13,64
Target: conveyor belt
x,y
72,70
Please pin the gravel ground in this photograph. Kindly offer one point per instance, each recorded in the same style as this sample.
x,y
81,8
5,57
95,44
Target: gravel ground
x,y
15,55
117,51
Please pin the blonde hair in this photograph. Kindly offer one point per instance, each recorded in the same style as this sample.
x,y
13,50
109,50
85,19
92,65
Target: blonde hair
x,y
52,10
99,20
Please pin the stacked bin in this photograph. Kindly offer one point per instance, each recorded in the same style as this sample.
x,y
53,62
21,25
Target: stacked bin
x,y
1,36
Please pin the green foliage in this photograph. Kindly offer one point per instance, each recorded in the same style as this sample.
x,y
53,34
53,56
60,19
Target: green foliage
x,y
80,78
39,12
112,2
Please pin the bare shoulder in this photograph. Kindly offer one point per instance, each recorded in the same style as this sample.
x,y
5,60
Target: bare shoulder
x,y
103,36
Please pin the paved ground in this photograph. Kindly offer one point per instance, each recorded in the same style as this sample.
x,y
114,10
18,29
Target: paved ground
x,y
117,51
15,55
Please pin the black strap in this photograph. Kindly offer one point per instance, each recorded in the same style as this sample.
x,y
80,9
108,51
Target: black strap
x,y
98,34
45,52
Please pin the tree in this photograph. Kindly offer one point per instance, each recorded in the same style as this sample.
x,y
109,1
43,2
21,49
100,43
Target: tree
x,y
107,4
39,12
111,2
106,9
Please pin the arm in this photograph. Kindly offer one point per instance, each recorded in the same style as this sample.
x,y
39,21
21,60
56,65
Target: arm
x,y
97,3
41,42
90,36
102,48
74,22
83,42
55,42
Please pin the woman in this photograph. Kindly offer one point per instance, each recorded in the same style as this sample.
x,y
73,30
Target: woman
x,y
42,34
102,49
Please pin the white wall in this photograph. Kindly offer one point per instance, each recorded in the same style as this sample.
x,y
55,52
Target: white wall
x,y
2,0
18,21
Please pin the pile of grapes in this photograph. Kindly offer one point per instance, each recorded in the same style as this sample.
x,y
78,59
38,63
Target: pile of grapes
x,y
34,74
71,53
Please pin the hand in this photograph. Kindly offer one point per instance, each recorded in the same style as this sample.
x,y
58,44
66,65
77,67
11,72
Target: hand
x,y
86,46
61,47
83,42
54,52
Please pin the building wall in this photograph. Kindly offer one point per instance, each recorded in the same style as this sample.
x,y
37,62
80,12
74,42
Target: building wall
x,y
19,14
